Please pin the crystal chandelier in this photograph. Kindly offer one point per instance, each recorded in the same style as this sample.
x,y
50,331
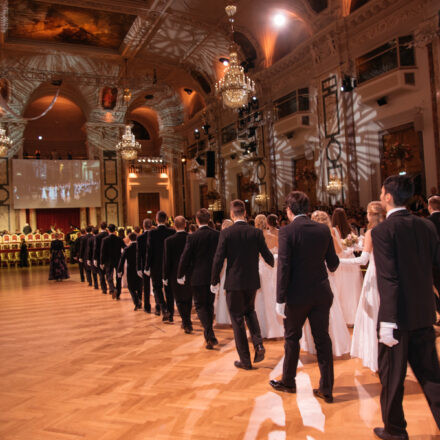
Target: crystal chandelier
x,y
5,143
235,87
128,147
334,186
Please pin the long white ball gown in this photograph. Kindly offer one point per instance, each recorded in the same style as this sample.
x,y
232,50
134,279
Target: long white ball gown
x,y
364,344
220,306
271,324
347,284
337,329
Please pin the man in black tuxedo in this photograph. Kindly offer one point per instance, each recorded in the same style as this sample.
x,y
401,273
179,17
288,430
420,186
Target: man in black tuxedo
x,y
405,249
173,250
141,252
434,211
303,292
77,255
241,245
153,266
133,280
83,249
196,265
111,249
89,257
97,256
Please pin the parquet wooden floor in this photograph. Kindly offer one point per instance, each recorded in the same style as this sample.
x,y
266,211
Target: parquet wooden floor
x,y
74,364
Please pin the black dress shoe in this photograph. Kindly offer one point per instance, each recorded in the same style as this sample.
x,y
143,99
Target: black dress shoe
x,y
147,309
259,353
136,308
187,330
104,292
214,341
383,434
157,312
279,386
209,345
171,319
327,397
239,364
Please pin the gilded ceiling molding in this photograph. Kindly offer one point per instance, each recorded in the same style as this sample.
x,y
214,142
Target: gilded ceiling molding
x,y
135,37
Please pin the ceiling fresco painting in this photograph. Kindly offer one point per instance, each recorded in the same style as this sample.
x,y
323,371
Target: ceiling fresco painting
x,y
30,20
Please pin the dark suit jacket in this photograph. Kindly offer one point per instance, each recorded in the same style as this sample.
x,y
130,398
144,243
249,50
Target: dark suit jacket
x,y
154,259
97,246
173,250
129,256
435,218
111,249
76,246
304,246
83,247
198,255
405,248
241,245
141,250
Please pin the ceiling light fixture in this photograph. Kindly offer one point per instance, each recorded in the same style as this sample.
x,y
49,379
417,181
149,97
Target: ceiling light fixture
x,y
224,61
235,87
279,20
189,91
128,146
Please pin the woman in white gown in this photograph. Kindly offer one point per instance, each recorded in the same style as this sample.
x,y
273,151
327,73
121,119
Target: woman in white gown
x,y
364,344
220,306
337,329
347,278
271,324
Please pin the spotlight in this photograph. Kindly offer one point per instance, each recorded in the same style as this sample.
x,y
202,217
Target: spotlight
x,y
224,61
183,159
189,91
40,138
206,128
279,20
348,84
196,134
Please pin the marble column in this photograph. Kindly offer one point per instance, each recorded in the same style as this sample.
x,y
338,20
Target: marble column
x,y
83,217
33,219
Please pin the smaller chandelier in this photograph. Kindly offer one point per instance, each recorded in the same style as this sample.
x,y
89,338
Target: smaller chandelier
x,y
128,147
126,95
334,186
5,143
235,87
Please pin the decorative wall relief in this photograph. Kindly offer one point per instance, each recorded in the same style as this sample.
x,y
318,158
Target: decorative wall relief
x,y
111,192
109,97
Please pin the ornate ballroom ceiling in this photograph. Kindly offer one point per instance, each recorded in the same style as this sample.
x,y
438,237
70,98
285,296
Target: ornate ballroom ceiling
x,y
178,41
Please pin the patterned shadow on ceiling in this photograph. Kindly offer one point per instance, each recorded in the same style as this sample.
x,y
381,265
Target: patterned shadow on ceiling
x,y
66,24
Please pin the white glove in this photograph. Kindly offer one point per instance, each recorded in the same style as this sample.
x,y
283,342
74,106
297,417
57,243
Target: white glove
x,y
280,310
181,281
215,289
95,263
147,272
275,257
80,260
120,275
386,335
165,282
101,266
140,274
89,263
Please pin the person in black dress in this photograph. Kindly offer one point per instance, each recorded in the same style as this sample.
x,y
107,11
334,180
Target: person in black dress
x,y
133,280
196,266
58,268
24,254
405,249
241,246
173,250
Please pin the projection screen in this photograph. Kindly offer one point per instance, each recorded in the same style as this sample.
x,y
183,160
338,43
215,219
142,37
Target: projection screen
x,y
56,183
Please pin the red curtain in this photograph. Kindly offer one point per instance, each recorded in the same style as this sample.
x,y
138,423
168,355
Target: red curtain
x,y
59,218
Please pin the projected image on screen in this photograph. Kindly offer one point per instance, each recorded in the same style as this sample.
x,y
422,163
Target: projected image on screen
x,y
56,183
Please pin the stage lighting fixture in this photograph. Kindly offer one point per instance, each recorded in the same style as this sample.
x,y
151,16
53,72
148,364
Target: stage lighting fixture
x,y
224,61
189,91
347,84
279,20
196,134
206,128
183,159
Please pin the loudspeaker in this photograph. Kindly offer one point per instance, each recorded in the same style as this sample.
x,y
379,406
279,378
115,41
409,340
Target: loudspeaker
x,y
210,164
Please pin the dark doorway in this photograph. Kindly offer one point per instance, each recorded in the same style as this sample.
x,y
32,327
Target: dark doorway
x,y
149,204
